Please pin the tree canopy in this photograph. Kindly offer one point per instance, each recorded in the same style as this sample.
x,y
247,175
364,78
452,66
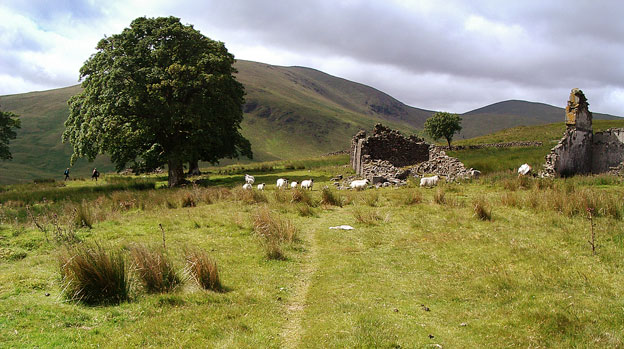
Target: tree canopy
x,y
8,123
158,93
443,125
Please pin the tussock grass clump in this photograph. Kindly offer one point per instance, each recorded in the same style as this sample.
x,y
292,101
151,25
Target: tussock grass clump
x,y
302,196
188,200
329,197
92,275
482,209
249,196
371,198
368,217
203,269
413,197
305,210
510,199
280,196
273,227
439,197
154,269
83,216
274,232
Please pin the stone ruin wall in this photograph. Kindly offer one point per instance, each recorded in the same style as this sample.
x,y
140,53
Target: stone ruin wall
x,y
582,151
389,145
379,158
607,150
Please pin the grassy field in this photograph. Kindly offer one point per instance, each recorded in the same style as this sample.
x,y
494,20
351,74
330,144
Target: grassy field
x,y
498,261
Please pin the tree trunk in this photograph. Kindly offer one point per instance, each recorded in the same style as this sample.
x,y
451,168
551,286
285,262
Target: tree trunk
x,y
176,172
449,143
194,168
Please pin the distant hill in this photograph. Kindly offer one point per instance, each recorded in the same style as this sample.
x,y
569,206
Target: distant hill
x,y
502,115
290,112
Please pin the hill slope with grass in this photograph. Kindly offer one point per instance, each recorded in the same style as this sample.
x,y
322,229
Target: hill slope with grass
x,y
290,112
507,114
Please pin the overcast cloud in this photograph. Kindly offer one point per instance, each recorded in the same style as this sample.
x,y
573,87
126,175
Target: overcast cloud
x,y
439,55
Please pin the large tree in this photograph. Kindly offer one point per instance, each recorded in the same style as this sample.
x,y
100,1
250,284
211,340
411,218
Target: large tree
x,y
158,93
8,123
443,125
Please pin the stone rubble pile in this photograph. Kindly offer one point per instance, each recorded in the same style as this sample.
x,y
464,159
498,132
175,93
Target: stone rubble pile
x,y
443,165
617,170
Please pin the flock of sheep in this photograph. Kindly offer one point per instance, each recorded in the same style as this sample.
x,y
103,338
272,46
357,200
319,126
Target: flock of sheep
x,y
427,182
282,183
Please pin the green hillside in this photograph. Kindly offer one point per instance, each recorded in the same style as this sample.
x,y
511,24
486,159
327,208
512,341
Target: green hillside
x,y
290,112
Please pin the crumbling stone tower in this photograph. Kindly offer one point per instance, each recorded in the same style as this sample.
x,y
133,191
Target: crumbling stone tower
x,y
580,151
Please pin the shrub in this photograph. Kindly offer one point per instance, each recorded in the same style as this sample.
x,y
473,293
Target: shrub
x,y
482,209
92,275
154,269
328,197
203,269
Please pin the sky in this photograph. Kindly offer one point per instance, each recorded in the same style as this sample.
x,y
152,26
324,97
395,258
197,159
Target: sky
x,y
447,55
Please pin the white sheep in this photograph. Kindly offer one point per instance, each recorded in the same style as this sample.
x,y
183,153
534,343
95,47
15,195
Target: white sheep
x,y
249,179
282,183
524,170
307,184
429,181
359,184
247,186
261,186
293,184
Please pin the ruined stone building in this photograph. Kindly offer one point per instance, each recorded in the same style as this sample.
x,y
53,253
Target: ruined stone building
x,y
381,156
582,151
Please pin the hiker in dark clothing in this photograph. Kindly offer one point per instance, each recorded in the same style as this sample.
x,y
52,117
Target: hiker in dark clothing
x,y
95,174
66,173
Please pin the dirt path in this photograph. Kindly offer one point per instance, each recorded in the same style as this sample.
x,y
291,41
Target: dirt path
x,y
291,334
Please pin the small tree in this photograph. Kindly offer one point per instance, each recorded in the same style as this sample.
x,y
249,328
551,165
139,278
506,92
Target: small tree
x,y
443,125
158,93
8,123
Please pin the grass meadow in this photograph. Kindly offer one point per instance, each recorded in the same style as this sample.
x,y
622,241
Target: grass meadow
x,y
496,262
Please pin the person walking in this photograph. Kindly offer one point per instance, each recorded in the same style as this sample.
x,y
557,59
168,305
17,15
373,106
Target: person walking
x,y
95,174
66,173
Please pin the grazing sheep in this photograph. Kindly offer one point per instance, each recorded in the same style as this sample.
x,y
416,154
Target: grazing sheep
x,y
247,186
524,170
429,181
293,184
307,184
475,173
249,179
261,186
359,184
282,183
